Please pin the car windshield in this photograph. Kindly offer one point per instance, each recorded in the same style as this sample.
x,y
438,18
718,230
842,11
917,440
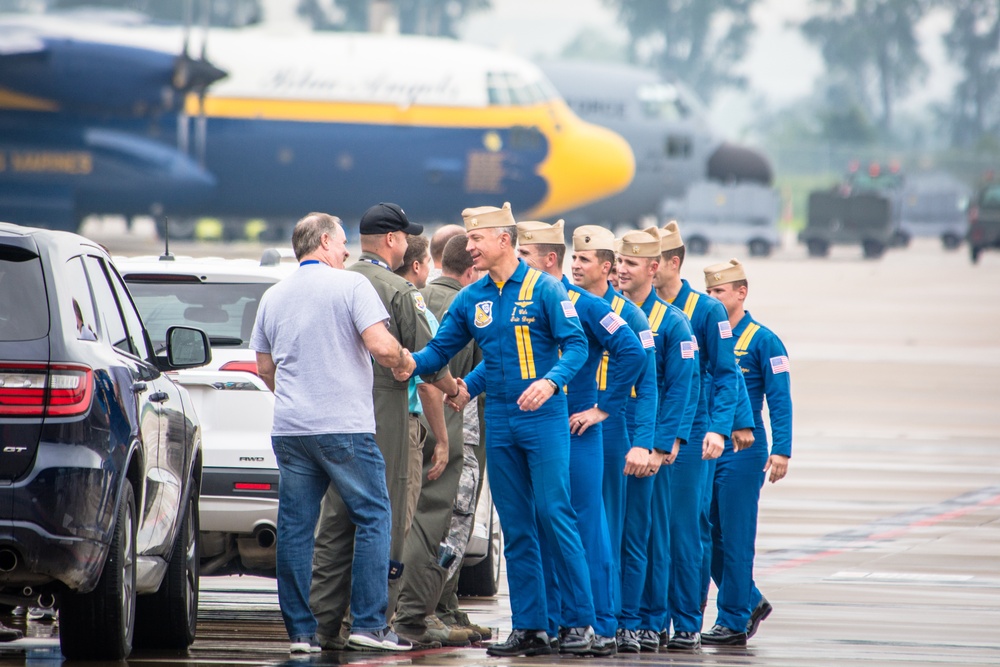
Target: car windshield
x,y
225,311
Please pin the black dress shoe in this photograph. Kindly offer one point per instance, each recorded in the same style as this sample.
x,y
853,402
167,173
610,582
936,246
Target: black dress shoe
x,y
664,638
684,641
577,640
522,642
9,634
759,613
723,636
603,646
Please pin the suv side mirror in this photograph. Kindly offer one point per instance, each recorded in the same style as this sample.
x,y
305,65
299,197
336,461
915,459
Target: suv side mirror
x,y
187,347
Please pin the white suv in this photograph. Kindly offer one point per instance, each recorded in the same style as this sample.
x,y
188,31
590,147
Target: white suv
x,y
239,495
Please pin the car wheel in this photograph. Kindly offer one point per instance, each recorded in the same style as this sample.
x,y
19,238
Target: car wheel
x,y
169,617
818,248
951,241
99,624
759,248
872,249
697,245
483,579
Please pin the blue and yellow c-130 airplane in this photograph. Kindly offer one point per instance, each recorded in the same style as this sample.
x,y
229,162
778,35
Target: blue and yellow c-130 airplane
x,y
106,118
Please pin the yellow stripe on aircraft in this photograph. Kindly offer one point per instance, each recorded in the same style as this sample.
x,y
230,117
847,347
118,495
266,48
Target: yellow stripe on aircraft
x,y
21,102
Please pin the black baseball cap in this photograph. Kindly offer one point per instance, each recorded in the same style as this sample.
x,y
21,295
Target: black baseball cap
x,y
386,217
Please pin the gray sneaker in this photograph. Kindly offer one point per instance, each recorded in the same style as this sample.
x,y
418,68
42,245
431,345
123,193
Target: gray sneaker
x,y
379,640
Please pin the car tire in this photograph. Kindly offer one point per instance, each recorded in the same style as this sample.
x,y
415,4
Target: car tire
x,y
483,579
169,618
697,245
872,249
818,248
759,248
951,241
100,624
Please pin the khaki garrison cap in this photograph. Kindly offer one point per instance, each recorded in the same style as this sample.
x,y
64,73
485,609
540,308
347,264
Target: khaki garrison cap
x,y
670,236
482,217
640,243
593,237
720,274
532,232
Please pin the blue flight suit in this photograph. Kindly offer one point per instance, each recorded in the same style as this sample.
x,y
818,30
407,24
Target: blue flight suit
x,y
639,490
606,331
763,360
689,475
617,442
679,381
522,326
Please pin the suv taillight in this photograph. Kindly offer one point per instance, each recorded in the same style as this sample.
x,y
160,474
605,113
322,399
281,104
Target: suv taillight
x,y
244,366
33,390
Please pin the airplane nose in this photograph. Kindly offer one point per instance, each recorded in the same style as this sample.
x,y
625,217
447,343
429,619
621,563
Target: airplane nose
x,y
731,162
585,163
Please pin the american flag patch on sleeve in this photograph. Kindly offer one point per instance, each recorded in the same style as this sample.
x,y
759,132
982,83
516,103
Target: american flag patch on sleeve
x,y
612,322
725,331
646,337
687,349
569,310
779,364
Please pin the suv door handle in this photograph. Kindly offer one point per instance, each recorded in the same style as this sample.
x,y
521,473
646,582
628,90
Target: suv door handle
x,y
138,387
158,396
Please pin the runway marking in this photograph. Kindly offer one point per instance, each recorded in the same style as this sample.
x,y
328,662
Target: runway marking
x,y
880,530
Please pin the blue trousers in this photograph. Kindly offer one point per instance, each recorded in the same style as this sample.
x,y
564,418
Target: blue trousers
x,y
616,446
738,478
653,609
635,548
687,480
527,458
586,469
705,524
307,465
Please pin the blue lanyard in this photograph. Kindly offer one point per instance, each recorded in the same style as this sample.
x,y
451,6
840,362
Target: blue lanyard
x,y
308,261
376,262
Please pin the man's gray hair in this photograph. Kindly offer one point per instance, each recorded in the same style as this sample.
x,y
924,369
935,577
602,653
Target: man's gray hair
x,y
309,232
509,231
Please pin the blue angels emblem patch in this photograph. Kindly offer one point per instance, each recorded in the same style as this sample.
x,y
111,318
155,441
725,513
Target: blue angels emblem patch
x,y
484,314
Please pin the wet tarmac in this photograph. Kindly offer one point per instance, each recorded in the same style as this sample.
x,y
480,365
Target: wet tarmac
x,y
881,547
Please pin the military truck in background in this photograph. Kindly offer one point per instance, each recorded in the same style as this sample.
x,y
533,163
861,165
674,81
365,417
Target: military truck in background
x,y
712,212
933,204
857,211
984,220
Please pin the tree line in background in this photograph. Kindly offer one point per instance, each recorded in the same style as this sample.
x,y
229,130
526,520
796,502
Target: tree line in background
x,y
870,50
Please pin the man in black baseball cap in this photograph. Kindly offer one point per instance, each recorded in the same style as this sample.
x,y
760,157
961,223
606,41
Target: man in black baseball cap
x,y
387,217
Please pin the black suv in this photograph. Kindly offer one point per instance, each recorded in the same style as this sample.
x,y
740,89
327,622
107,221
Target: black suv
x,y
984,220
100,452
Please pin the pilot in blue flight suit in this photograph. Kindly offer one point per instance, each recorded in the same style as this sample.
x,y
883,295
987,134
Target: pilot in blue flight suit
x,y
523,319
543,247
646,550
763,360
593,260
722,389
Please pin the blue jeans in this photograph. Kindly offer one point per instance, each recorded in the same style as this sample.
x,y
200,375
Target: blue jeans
x,y
308,464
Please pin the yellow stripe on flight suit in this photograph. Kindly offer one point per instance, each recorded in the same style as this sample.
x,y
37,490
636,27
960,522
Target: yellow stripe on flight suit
x,y
743,344
692,301
617,303
656,316
522,333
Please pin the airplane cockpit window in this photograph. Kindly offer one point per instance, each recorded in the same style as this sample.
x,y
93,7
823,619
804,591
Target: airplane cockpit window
x,y
510,89
660,101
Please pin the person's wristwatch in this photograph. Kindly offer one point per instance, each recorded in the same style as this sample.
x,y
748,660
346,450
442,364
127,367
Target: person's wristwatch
x,y
555,387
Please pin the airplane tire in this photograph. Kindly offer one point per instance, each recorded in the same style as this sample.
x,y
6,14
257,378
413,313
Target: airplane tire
x,y
950,241
872,249
759,248
817,248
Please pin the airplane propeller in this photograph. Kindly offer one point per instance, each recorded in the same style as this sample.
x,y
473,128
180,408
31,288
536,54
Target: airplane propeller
x,y
194,75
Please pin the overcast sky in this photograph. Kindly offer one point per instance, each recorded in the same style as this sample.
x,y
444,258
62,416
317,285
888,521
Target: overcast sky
x,y
780,64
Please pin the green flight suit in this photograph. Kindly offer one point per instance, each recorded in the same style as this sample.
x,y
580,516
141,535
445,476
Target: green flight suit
x,y
423,577
330,594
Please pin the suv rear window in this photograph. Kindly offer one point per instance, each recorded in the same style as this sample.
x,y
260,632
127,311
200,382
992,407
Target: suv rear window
x,y
991,197
225,311
24,308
